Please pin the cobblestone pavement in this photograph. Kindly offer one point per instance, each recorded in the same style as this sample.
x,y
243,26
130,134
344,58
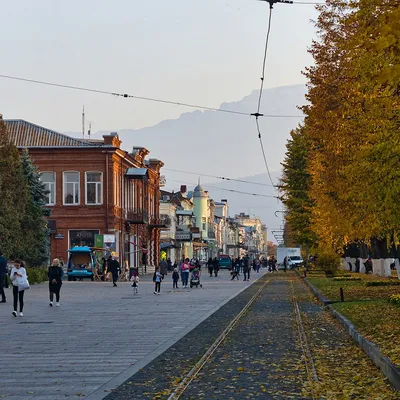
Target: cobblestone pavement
x,y
263,356
100,335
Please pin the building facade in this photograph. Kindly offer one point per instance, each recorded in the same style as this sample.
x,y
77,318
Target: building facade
x,y
96,188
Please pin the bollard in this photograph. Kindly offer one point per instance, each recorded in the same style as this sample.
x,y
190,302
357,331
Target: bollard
x,y
341,295
305,273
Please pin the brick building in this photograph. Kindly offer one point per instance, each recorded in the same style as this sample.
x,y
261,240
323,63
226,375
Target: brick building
x,y
95,187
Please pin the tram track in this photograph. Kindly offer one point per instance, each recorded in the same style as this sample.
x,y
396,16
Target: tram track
x,y
177,393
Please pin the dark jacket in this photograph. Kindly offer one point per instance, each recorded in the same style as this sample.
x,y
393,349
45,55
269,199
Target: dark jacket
x,y
55,272
163,267
175,276
3,266
113,266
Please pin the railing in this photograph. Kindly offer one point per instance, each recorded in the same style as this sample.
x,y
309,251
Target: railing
x,y
137,216
163,221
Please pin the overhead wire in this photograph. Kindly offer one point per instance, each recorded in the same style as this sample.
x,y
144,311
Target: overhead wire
x,y
217,177
228,190
132,96
258,114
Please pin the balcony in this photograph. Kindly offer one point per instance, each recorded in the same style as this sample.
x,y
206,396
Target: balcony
x,y
137,216
163,221
211,235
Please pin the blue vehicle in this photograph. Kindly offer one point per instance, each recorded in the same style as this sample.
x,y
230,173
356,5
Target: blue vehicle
x,y
81,263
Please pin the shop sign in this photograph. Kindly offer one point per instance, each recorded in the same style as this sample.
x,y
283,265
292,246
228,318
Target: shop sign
x,y
82,237
183,236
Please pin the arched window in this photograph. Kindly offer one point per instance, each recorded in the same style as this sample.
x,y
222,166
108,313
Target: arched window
x,y
94,187
71,188
49,181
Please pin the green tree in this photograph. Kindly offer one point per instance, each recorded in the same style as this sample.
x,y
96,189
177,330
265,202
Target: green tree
x,y
294,186
34,225
13,196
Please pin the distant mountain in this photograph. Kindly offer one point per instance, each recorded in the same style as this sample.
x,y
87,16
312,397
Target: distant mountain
x,y
223,144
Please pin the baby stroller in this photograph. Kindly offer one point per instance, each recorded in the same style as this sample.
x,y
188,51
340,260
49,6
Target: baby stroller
x,y
195,278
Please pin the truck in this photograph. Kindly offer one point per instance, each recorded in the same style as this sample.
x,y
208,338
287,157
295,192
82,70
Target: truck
x,y
294,256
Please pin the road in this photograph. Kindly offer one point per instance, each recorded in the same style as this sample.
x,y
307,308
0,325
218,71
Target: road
x,y
100,335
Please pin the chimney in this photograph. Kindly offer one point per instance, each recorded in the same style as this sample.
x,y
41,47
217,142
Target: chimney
x,y
183,189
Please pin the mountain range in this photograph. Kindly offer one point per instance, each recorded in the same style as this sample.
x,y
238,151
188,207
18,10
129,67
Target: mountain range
x,y
226,145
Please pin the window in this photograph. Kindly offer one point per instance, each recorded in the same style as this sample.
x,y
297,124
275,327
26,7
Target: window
x,y
71,188
94,188
203,220
49,181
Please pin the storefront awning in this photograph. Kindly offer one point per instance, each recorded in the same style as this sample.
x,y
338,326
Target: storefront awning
x,y
167,245
197,244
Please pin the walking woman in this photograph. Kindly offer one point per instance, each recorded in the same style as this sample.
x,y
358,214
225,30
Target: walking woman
x,y
185,267
19,281
55,275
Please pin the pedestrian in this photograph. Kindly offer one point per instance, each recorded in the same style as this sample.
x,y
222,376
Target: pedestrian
x,y
20,283
55,274
210,266
169,263
368,265
246,268
113,267
3,277
274,269
175,279
216,266
258,264
285,263
238,266
163,268
157,278
185,267
135,281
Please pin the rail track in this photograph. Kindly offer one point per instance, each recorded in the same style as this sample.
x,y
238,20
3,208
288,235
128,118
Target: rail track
x,y
184,384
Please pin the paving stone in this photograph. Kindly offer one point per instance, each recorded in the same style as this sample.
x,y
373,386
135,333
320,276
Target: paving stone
x,y
100,331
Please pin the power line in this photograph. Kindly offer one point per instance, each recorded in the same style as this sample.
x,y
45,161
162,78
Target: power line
x,y
258,114
126,95
217,177
228,190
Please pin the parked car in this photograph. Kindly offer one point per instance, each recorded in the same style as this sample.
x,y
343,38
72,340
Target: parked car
x,y
81,263
225,261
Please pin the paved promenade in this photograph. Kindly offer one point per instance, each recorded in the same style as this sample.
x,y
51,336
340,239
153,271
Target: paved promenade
x,y
100,336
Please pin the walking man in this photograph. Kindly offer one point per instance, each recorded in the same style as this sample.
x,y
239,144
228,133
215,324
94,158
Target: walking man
x,y
3,277
114,268
246,268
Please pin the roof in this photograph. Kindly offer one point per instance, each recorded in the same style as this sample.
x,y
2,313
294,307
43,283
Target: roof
x,y
184,212
136,172
199,192
25,134
80,249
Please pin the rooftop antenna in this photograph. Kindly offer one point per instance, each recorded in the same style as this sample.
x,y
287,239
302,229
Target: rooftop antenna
x,y
83,122
90,129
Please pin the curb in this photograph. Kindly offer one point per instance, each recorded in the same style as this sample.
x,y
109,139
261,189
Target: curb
x,y
104,390
391,371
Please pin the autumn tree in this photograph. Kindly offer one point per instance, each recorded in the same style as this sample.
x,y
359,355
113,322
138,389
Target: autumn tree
x,y
352,123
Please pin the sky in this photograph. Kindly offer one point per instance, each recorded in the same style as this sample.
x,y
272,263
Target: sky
x,y
205,52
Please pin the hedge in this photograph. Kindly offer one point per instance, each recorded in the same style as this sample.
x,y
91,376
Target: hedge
x,y
382,283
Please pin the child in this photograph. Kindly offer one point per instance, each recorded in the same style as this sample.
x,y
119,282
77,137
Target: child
x,y
175,278
135,282
157,278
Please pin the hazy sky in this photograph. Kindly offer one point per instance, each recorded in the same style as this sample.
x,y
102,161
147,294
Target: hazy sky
x,y
200,51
